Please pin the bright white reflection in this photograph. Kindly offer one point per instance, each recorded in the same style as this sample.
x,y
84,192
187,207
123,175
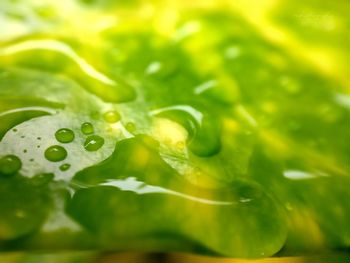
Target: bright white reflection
x,y
342,100
205,86
153,68
132,184
301,175
44,109
197,115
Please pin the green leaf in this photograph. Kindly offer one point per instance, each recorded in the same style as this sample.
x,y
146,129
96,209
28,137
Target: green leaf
x,y
216,128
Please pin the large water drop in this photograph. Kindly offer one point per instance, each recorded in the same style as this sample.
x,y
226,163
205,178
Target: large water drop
x,y
9,165
87,128
55,153
64,135
93,143
111,116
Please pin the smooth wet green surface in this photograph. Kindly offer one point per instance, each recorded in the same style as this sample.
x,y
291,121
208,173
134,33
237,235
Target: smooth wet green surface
x,y
221,129
21,214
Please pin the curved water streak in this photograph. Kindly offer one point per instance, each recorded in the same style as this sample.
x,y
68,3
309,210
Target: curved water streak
x,y
54,45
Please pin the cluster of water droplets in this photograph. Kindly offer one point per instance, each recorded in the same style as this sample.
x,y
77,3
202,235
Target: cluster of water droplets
x,y
178,128
59,141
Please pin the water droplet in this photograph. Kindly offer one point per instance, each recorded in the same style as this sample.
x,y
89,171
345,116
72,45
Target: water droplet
x,y
203,128
130,127
207,142
182,117
64,167
64,135
87,128
9,165
55,153
112,116
93,143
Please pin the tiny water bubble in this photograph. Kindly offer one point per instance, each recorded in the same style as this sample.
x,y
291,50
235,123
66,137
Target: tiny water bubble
x,y
65,167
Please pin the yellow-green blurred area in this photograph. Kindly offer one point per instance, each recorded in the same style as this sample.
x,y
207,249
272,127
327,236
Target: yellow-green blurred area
x,y
231,120
81,257
311,31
